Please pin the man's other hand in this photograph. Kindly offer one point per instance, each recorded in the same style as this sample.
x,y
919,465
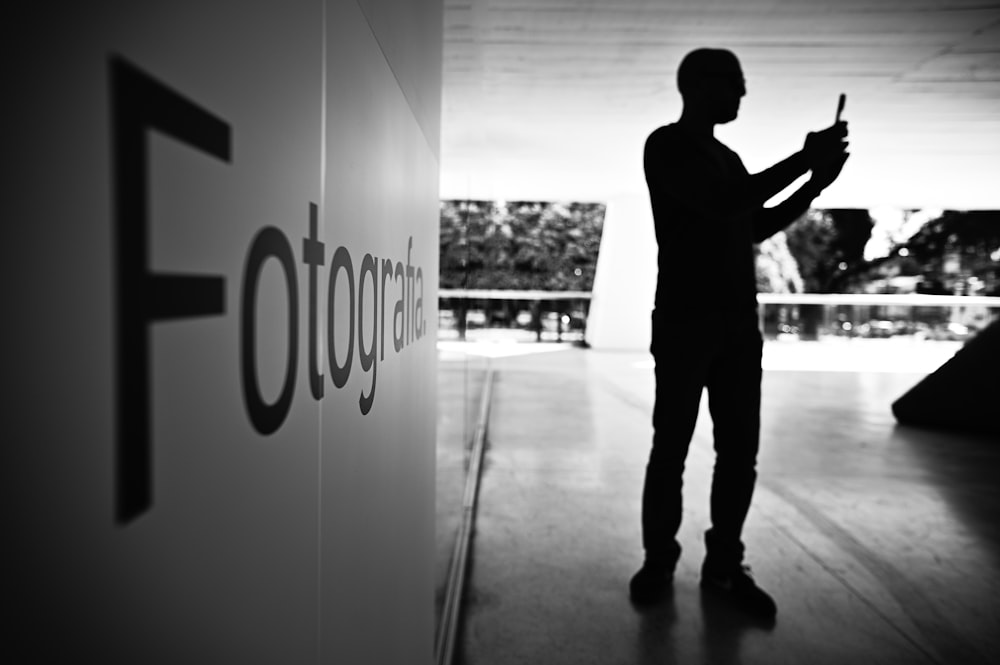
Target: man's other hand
x,y
826,171
825,145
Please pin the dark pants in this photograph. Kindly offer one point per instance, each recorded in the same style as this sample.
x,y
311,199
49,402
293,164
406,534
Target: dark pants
x,y
725,359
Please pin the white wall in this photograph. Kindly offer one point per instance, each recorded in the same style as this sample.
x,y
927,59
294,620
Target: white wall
x,y
306,540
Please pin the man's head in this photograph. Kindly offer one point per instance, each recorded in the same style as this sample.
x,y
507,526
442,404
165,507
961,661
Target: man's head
x,y
711,84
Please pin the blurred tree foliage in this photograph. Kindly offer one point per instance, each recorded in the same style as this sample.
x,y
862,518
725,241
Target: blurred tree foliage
x,y
974,231
829,247
520,245
946,254
824,251
970,241
777,269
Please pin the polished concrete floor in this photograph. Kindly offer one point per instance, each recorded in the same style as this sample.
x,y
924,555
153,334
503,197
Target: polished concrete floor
x,y
880,544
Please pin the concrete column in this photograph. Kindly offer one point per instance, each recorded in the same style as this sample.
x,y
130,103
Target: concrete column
x,y
625,282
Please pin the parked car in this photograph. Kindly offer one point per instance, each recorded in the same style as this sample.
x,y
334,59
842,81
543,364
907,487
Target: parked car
x,y
881,329
475,318
953,331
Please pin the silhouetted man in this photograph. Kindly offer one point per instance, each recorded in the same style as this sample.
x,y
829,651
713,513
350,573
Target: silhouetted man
x,y
708,212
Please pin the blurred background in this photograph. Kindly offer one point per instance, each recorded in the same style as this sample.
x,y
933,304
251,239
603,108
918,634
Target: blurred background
x,y
546,235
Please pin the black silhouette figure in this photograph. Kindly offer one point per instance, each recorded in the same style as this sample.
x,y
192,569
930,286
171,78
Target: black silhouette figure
x,y
708,212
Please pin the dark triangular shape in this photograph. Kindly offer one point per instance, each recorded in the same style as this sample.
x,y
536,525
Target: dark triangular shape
x,y
963,394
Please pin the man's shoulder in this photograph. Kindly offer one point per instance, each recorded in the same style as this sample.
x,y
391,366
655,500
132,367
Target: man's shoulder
x,y
665,134
674,139
666,140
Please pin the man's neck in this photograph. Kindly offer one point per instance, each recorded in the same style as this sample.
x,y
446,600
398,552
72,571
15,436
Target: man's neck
x,y
697,125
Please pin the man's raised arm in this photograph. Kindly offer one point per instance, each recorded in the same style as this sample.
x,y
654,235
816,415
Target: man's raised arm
x,y
819,147
694,184
768,221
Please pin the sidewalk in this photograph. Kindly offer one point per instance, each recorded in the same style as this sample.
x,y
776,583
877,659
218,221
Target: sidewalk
x,y
880,544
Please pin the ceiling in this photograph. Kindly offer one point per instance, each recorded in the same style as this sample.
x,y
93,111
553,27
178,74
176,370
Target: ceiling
x,y
553,99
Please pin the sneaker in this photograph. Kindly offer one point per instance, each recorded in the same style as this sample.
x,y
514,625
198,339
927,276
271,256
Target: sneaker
x,y
739,587
654,580
651,584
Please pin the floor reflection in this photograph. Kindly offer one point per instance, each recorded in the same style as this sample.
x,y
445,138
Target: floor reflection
x,y
879,543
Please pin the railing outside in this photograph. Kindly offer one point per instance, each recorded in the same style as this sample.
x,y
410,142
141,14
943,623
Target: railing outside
x,y
559,316
562,315
811,316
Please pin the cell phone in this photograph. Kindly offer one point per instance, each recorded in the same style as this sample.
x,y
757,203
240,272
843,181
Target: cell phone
x,y
840,106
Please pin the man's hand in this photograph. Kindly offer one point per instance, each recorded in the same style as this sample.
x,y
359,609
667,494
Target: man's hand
x,y
824,145
825,172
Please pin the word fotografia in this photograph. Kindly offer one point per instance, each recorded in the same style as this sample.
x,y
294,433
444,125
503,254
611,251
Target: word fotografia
x,y
407,280
140,104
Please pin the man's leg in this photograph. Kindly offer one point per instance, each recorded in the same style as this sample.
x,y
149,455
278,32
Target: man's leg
x,y
679,385
680,378
734,402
